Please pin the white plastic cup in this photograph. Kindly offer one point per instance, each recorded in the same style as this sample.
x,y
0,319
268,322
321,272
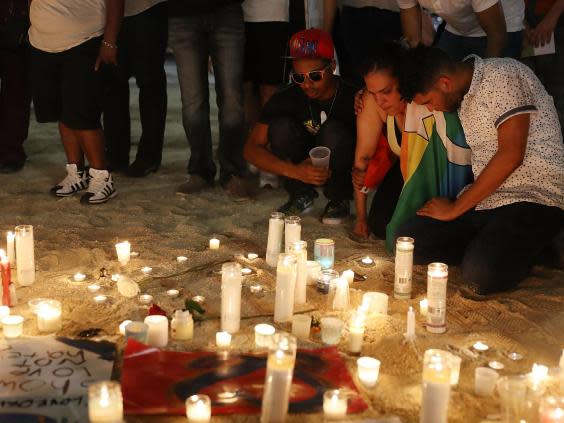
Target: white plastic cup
x,y
485,380
331,330
301,325
320,156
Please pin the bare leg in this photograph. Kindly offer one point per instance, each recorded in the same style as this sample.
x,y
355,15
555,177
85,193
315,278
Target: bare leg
x,y
92,142
72,146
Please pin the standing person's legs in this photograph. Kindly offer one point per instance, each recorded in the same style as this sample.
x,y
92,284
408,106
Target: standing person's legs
x,y
15,100
117,120
458,47
227,43
150,30
504,250
188,39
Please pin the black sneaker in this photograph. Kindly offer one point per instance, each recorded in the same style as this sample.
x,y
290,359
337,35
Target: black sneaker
x,y
140,168
336,212
11,166
297,205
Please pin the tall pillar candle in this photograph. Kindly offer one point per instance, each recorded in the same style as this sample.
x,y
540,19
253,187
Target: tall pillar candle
x,y
105,402
25,255
285,285
293,231
299,250
341,300
11,248
49,316
437,277
157,334
410,332
403,268
436,387
275,233
278,380
231,282
356,332
5,275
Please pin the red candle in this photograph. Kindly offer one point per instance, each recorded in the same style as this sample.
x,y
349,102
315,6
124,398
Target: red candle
x,y
6,280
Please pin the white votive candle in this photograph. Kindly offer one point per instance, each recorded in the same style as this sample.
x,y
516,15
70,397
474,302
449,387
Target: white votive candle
x,y
181,259
334,404
223,339
173,293
301,326
49,316
348,275
484,381
146,270
480,346
13,326
115,277
93,288
356,332
100,299
157,335
538,376
123,250
245,271
367,261
331,329
263,335
123,325
4,311
368,369
105,402
79,277
252,256
145,298
214,244
198,409
423,307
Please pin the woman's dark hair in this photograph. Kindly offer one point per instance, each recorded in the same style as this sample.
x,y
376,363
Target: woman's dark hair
x,y
388,55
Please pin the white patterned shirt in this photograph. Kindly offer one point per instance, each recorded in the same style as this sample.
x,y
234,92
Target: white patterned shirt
x,y
500,90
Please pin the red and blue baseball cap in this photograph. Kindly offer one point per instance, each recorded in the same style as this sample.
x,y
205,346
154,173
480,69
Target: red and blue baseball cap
x,y
312,44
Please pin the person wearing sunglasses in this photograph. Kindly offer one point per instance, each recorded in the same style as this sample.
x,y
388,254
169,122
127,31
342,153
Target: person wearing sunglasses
x,y
316,109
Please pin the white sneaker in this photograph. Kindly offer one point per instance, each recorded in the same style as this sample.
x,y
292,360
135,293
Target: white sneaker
x,y
75,181
268,180
100,189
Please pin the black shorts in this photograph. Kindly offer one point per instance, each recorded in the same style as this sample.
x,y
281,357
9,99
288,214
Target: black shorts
x,y
265,49
66,88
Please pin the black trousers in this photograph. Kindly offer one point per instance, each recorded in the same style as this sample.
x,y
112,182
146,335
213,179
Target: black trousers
x,y
496,248
290,141
141,54
384,201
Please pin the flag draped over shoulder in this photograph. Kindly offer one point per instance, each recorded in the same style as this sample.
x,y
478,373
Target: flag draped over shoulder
x,y
435,161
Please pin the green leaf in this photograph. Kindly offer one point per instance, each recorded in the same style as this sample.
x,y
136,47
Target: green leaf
x,y
193,306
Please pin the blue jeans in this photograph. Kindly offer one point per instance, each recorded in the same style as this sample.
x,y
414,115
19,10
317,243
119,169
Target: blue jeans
x,y
193,39
458,47
496,248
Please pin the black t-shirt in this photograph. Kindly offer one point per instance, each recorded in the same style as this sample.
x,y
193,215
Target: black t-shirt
x,y
292,102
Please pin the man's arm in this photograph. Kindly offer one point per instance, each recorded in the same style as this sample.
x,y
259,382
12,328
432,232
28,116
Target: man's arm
x,y
512,144
108,49
329,11
257,153
492,21
542,33
411,25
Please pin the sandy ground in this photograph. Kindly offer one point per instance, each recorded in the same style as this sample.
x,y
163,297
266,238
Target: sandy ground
x,y
70,237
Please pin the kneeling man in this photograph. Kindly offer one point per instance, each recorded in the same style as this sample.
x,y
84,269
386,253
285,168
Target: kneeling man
x,y
498,227
315,110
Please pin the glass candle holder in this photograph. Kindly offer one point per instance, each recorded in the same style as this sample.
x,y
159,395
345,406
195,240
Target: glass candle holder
x,y
278,380
123,250
356,332
436,386
25,255
327,278
292,231
334,404
286,273
484,381
331,330
13,326
313,272
214,244
301,326
223,339
198,409
49,316
437,278
231,284
403,268
368,369
105,402
324,253
137,331
4,311
455,362
275,234
514,400
299,250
